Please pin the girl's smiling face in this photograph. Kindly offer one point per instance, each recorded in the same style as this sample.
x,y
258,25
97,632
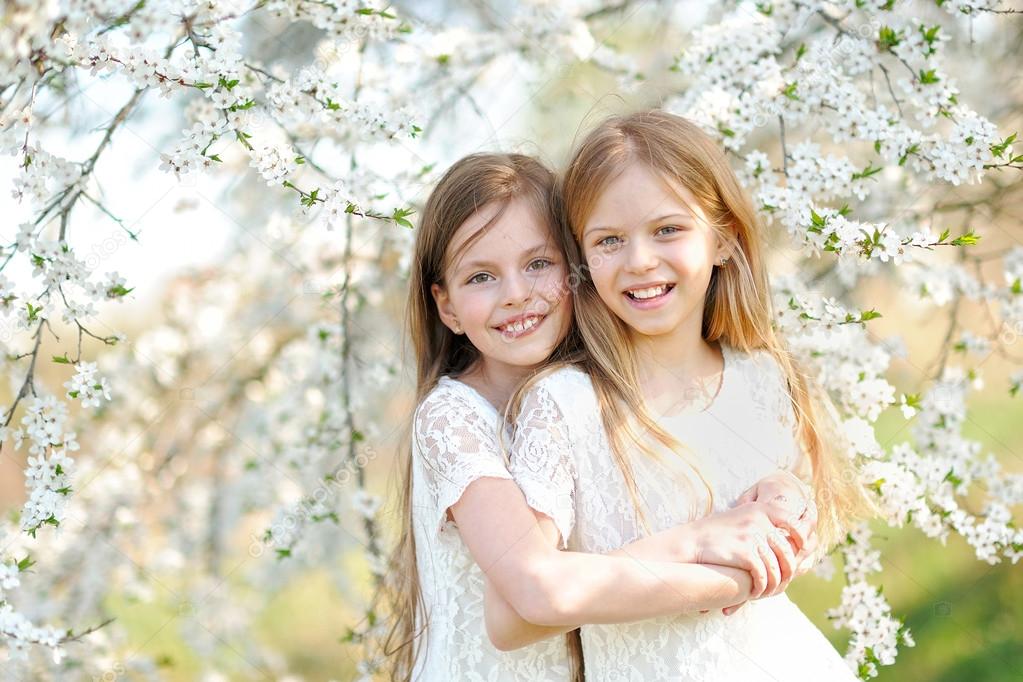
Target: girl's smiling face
x,y
507,289
651,252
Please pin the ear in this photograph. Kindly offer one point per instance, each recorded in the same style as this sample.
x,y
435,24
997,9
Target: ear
x,y
722,251
444,308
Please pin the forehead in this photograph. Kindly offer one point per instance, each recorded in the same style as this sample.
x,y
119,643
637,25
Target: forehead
x,y
507,231
639,194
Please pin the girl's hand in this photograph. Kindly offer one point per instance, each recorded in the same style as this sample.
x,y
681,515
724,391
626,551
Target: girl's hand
x,y
792,500
747,538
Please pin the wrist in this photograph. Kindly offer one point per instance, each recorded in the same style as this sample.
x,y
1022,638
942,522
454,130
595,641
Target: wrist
x,y
686,544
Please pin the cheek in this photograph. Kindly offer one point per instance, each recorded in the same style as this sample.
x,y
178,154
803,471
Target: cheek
x,y
472,306
602,267
693,257
553,284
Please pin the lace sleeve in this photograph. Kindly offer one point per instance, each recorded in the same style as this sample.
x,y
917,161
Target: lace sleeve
x,y
541,459
457,443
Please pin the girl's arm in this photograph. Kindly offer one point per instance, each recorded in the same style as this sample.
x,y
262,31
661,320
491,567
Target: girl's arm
x,y
565,589
726,534
549,587
505,627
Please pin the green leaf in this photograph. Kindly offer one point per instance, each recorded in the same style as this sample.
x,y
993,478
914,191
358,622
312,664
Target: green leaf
x,y
867,315
912,149
928,77
33,312
399,216
247,104
999,149
790,91
25,564
887,38
1017,287
955,480
65,361
968,239
867,172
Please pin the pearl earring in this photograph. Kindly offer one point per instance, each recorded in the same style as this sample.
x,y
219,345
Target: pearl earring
x,y
458,328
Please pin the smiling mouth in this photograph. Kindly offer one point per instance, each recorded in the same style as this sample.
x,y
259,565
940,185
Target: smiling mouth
x,y
649,293
520,327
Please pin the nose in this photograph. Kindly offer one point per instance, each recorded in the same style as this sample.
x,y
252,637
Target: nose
x,y
517,290
639,257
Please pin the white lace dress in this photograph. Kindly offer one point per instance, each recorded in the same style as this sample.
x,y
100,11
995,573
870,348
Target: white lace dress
x,y
455,443
562,461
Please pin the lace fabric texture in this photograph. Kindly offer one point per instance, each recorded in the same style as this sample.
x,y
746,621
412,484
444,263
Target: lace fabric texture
x,y
455,442
562,460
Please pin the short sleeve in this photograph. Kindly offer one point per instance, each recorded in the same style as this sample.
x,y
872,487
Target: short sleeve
x,y
542,461
457,442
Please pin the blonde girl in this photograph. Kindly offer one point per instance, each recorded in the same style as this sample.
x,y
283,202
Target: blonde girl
x,y
488,307
672,303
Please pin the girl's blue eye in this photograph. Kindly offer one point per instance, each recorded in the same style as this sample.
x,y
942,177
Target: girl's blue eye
x,y
539,264
478,278
668,229
607,241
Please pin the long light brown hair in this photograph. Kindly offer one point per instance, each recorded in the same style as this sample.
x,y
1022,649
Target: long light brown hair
x,y
737,308
474,182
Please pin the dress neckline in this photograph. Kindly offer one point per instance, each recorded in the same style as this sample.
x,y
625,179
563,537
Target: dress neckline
x,y
726,370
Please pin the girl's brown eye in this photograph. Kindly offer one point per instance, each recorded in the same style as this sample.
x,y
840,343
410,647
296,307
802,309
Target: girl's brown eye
x,y
539,264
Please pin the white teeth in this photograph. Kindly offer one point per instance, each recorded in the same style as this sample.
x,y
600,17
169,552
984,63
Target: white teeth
x,y
521,326
650,292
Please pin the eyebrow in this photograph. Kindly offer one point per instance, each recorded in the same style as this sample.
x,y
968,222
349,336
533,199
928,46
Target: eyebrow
x,y
482,264
673,214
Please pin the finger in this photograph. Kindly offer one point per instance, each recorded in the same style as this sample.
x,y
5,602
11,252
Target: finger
x,y
729,610
789,523
771,564
811,513
786,559
758,573
749,496
805,528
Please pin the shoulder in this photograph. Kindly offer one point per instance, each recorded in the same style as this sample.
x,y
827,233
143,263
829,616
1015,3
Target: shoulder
x,y
758,363
451,401
568,386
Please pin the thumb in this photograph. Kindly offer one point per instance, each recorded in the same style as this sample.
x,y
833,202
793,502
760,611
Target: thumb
x,y
749,496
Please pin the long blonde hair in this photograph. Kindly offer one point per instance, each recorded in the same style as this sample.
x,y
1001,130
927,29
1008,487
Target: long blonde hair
x,y
476,181
737,307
